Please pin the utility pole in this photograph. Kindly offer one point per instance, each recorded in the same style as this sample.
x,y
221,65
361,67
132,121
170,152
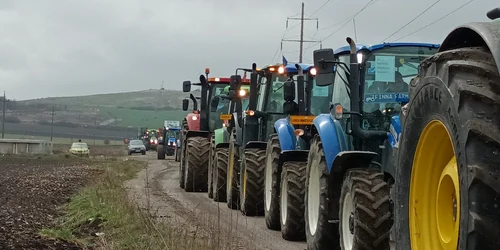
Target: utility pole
x,y
301,41
3,114
52,124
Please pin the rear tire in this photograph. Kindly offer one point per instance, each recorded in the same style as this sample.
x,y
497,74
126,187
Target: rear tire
x,y
458,90
161,153
252,182
272,183
320,234
293,187
221,162
196,168
365,213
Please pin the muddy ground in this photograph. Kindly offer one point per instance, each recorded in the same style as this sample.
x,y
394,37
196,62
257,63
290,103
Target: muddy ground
x,y
32,191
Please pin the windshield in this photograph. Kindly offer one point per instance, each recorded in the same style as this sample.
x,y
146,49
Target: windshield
x,y
136,142
79,145
275,95
320,98
172,133
214,122
387,75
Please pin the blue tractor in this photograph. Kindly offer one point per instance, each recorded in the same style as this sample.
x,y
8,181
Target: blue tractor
x,y
287,149
353,148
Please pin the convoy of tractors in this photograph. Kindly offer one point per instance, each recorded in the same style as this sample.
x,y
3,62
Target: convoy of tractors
x,y
392,142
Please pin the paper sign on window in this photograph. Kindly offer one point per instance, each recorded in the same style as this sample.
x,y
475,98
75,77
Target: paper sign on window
x,y
320,90
385,68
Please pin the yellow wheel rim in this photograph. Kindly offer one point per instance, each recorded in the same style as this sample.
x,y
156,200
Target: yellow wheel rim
x,y
244,183
434,208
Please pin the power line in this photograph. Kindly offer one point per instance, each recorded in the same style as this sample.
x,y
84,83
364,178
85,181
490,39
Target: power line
x,y
321,7
435,21
411,21
357,13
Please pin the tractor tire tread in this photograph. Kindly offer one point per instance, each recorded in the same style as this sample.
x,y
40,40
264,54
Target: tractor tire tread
x,y
197,151
272,216
253,202
294,173
221,163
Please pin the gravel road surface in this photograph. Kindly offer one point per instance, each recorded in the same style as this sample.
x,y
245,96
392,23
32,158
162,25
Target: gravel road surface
x,y
157,188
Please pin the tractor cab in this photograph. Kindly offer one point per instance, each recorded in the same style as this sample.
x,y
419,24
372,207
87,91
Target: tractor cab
x,y
367,105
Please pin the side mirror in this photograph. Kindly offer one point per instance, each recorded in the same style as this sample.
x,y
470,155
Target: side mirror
x,y
186,86
234,82
289,91
324,62
185,104
232,94
289,107
214,103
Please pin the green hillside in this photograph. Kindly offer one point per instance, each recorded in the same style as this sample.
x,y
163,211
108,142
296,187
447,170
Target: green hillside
x,y
129,109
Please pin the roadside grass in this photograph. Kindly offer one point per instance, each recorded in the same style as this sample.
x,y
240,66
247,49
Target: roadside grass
x,y
102,216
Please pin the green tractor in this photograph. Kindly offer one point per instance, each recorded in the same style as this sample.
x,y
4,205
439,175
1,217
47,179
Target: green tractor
x,y
197,128
228,102
248,140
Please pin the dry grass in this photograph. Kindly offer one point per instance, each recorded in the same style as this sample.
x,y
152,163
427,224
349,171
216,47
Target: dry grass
x,y
102,216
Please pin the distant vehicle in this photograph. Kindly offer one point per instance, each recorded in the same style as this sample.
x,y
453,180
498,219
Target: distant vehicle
x,y
136,146
79,148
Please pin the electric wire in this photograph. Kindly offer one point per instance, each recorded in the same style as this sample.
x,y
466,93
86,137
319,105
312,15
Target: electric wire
x,y
411,21
435,21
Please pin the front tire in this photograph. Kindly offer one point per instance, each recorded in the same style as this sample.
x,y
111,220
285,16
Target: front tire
x,y
252,182
320,234
220,175
365,213
293,187
272,183
447,184
161,153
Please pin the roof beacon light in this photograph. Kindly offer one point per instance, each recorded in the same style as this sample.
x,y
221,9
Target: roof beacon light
x,y
281,70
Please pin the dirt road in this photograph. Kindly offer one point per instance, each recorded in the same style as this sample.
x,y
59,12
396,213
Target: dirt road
x,y
158,189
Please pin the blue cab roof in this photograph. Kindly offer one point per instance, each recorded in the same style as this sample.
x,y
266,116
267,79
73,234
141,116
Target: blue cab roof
x,y
346,49
290,67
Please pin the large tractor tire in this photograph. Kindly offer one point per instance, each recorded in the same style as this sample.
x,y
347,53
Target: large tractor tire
x,y
320,233
252,182
365,210
232,183
196,171
160,151
210,175
272,183
182,165
292,205
447,184
220,175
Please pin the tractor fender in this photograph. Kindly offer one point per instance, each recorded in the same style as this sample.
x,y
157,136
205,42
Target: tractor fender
x,y
286,134
257,144
332,137
193,121
394,132
191,133
219,136
222,145
292,155
474,35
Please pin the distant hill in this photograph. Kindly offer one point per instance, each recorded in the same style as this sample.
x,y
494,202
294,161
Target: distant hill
x,y
148,108
134,100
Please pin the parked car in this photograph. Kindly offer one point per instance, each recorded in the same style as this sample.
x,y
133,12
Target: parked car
x,y
136,146
79,148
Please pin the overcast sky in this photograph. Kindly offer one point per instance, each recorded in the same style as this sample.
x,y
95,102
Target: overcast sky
x,y
81,47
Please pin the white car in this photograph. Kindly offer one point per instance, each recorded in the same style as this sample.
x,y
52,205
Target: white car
x,y
136,146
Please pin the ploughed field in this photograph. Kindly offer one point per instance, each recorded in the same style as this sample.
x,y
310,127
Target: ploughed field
x,y
32,191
